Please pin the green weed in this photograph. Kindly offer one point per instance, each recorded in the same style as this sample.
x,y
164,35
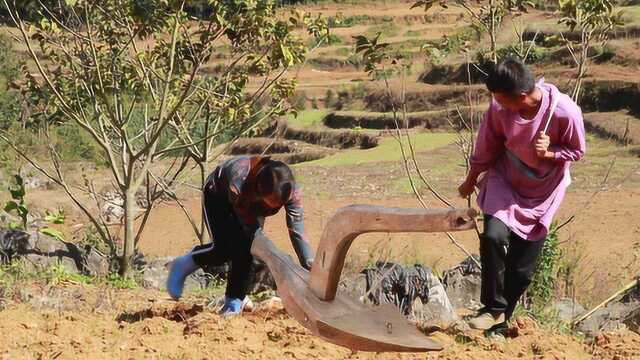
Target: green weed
x,y
387,150
119,282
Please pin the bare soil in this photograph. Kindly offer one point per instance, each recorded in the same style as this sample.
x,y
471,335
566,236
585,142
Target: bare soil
x,y
105,323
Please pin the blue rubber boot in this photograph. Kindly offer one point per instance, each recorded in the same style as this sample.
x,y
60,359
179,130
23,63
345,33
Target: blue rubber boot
x,y
182,267
231,307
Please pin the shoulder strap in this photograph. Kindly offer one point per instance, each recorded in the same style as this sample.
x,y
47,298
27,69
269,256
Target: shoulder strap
x,y
552,109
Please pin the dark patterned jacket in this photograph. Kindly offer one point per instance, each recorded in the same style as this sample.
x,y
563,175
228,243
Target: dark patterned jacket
x,y
235,178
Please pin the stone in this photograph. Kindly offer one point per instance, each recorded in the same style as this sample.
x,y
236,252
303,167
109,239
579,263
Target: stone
x,y
42,251
156,271
415,290
33,179
617,315
96,263
567,309
462,284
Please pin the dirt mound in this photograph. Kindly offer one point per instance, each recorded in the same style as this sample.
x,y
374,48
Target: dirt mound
x,y
82,334
452,74
376,120
610,95
618,126
331,64
616,345
546,36
420,100
287,151
328,138
179,313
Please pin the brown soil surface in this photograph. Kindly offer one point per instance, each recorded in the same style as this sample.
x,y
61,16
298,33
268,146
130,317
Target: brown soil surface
x,y
619,126
94,322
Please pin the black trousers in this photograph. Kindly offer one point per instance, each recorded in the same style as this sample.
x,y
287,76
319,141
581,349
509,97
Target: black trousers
x,y
508,265
230,244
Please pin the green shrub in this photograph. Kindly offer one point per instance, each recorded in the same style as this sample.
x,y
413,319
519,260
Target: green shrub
x,y
543,286
339,21
385,30
605,54
299,101
58,274
329,99
120,282
331,40
9,71
75,144
344,51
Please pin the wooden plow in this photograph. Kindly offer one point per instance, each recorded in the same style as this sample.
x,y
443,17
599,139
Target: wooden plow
x,y
313,299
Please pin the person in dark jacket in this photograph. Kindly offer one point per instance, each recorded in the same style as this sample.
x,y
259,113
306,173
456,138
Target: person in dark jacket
x,y
237,197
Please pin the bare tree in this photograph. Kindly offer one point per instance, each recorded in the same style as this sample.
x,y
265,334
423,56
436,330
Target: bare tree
x,y
594,19
131,78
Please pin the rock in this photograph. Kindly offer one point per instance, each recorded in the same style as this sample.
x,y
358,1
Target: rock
x,y
40,251
437,312
567,309
271,305
113,206
462,284
617,315
156,271
96,263
260,278
43,251
33,179
415,290
112,209
355,287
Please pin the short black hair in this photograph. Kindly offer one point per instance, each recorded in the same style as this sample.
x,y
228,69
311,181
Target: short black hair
x,y
275,177
510,77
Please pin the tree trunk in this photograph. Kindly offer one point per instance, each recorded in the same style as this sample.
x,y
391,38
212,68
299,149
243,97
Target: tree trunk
x,y
129,234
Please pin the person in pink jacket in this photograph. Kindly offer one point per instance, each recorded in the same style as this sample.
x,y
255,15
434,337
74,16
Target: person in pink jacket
x,y
524,149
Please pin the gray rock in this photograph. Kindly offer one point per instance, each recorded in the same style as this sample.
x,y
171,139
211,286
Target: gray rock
x,y
33,179
156,271
415,290
437,311
43,251
40,251
113,206
615,316
567,309
6,218
96,263
463,284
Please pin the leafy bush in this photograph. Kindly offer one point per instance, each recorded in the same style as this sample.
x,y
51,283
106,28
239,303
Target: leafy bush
x,y
9,71
543,286
17,204
605,54
120,282
385,30
339,21
299,100
328,41
344,51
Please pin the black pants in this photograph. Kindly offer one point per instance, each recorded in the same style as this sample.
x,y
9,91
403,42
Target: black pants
x,y
230,244
508,265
